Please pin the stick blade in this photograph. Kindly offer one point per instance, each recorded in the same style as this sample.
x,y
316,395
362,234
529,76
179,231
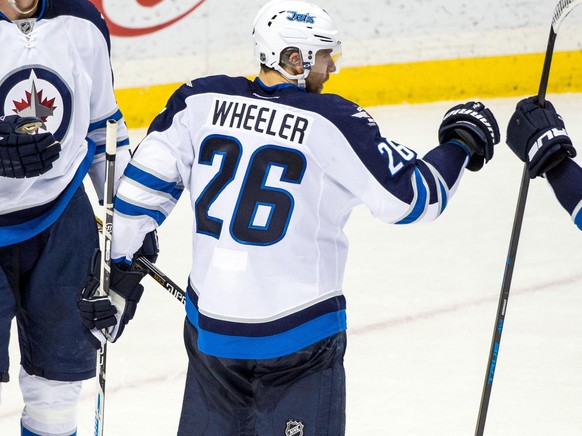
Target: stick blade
x,y
563,8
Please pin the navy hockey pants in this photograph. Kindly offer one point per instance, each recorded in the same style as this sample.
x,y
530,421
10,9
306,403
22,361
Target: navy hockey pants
x,y
301,394
40,284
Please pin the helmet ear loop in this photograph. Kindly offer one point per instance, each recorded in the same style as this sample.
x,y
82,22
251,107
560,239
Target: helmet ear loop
x,y
285,55
285,58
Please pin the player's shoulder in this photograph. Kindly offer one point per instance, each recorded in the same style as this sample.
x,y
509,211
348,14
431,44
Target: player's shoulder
x,y
82,9
222,84
343,113
219,84
181,100
332,103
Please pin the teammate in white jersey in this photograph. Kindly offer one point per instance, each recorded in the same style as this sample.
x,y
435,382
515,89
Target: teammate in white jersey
x,y
273,169
55,79
538,136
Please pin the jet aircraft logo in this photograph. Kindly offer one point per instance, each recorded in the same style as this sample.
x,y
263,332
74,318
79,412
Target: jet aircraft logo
x,y
41,93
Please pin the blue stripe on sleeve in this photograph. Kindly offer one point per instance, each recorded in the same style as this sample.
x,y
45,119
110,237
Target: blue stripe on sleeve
x,y
420,204
102,124
126,208
101,148
266,347
149,180
444,197
578,219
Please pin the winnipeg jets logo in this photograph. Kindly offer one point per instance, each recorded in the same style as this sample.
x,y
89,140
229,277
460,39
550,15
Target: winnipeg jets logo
x,y
294,428
41,93
34,105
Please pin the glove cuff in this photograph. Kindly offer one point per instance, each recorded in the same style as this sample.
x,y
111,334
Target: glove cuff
x,y
547,149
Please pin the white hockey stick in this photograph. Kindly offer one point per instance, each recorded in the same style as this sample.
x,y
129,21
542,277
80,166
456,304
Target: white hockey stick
x,y
110,150
563,8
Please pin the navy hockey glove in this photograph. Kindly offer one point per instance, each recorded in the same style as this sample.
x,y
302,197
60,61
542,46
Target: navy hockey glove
x,y
105,317
537,135
24,153
474,126
125,292
97,312
124,287
150,247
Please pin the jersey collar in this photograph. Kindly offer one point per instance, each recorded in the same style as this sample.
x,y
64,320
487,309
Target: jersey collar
x,y
277,87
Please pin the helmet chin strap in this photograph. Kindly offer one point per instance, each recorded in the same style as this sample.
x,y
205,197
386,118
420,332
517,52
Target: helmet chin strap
x,y
17,9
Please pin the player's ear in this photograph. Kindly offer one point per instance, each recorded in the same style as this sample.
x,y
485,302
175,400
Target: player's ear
x,y
294,61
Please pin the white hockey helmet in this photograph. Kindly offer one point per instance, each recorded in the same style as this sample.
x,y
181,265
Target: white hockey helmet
x,y
283,24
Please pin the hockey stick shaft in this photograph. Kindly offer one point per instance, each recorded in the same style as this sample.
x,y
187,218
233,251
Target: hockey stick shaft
x,y
110,150
563,8
161,278
155,273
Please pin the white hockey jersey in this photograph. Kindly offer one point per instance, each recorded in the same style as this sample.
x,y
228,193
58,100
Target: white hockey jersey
x,y
273,174
57,67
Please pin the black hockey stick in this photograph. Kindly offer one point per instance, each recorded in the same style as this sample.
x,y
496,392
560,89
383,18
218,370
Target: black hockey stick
x,y
110,151
563,8
155,273
161,278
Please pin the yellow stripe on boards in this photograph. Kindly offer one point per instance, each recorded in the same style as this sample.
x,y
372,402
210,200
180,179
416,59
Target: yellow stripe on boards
x,y
418,82
459,79
141,105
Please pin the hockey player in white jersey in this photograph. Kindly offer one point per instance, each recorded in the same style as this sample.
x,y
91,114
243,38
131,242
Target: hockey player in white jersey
x,y
538,136
273,168
56,94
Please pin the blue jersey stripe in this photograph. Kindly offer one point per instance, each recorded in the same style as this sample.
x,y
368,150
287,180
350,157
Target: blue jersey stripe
x,y
101,148
266,347
268,328
126,208
14,234
152,182
102,124
578,219
420,204
444,197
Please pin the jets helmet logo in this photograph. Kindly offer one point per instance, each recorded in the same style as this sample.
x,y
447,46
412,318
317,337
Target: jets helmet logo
x,y
294,428
301,18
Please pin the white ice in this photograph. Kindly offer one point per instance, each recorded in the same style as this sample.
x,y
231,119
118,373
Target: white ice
x,y
422,301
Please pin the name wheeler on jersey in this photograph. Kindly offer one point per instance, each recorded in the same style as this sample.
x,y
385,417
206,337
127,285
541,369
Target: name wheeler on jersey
x,y
273,174
70,90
